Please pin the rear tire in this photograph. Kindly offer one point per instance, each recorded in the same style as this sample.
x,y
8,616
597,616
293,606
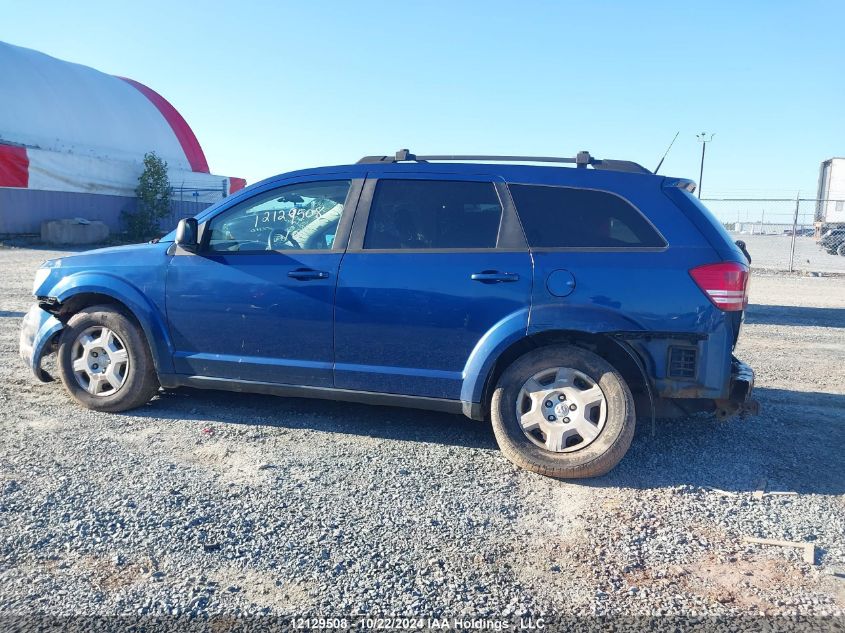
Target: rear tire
x,y
525,438
105,362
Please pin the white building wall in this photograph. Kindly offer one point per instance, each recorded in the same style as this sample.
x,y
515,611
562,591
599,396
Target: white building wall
x,y
56,105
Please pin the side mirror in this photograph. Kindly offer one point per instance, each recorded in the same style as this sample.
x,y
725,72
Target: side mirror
x,y
186,234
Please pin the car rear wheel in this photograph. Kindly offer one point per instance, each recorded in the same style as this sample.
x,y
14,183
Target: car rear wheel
x,y
563,411
105,362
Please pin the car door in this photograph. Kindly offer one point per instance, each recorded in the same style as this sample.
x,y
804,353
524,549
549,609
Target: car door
x,y
256,301
434,261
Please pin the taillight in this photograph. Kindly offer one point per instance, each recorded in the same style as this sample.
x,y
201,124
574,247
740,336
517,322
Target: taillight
x,y
725,284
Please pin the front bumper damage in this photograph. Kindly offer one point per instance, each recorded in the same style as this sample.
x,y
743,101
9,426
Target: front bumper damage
x,y
739,401
38,332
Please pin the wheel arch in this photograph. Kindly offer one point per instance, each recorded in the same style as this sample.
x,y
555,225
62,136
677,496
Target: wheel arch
x,y
79,301
618,353
77,292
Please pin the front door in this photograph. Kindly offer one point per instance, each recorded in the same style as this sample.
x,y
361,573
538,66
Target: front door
x,y
256,302
432,265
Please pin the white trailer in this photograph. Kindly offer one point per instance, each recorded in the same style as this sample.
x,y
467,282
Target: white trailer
x,y
830,208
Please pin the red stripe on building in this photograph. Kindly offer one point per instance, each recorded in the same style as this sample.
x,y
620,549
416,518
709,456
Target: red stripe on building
x,y
184,133
14,166
236,184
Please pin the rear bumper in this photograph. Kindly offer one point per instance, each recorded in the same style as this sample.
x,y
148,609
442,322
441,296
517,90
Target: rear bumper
x,y
37,331
741,386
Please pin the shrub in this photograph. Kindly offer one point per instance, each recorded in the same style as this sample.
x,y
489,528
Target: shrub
x,y
153,193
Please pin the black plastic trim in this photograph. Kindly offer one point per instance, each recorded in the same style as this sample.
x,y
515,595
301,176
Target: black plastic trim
x,y
581,160
362,215
635,357
304,391
511,234
655,334
670,360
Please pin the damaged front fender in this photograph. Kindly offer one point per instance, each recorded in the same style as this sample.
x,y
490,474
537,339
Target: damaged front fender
x,y
37,332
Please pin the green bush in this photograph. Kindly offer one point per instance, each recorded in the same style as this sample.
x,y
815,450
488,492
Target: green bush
x,y
153,194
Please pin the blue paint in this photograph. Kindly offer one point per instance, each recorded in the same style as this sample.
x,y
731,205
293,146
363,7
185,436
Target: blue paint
x,y
511,329
409,322
560,283
240,316
418,312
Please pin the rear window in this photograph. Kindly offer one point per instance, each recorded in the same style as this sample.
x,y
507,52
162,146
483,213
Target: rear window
x,y
710,227
415,214
581,218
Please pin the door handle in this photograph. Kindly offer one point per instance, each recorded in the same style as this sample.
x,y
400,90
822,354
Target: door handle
x,y
494,277
305,274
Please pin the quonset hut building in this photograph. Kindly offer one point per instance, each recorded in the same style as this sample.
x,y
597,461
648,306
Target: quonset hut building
x,y
72,142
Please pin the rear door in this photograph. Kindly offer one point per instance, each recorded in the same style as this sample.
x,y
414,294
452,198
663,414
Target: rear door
x,y
434,261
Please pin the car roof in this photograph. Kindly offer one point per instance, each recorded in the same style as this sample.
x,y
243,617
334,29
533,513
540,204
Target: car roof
x,y
509,172
621,182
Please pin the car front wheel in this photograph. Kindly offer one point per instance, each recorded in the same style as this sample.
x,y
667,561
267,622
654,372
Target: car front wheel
x,y
105,362
563,411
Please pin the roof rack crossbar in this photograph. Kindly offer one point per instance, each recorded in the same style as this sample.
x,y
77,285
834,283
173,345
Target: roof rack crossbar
x,y
581,160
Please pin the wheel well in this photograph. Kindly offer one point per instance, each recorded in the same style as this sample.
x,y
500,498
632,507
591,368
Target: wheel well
x,y
600,344
83,300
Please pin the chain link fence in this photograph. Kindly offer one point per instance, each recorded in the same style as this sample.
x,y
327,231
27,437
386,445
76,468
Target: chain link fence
x,y
791,234
187,201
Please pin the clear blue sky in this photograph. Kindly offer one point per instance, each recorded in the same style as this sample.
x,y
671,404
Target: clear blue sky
x,y
274,86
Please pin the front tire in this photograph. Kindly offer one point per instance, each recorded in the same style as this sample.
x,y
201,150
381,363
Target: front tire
x,y
564,412
105,362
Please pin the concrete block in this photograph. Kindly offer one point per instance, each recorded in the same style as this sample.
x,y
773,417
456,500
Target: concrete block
x,y
73,232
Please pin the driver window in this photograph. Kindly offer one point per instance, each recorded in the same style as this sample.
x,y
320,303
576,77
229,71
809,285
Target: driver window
x,y
303,216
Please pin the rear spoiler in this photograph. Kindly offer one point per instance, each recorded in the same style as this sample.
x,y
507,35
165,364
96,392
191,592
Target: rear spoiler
x,y
680,183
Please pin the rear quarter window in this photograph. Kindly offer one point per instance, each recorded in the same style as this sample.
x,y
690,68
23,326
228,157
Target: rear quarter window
x,y
707,224
567,217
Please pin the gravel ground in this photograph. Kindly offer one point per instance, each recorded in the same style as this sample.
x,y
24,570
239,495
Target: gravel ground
x,y
208,503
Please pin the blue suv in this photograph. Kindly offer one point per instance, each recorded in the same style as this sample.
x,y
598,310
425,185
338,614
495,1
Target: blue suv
x,y
555,302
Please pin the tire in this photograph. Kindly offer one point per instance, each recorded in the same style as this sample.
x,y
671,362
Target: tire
x,y
133,365
615,425
841,249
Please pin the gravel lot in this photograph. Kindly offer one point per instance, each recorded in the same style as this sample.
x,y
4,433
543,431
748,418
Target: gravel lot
x,y
218,503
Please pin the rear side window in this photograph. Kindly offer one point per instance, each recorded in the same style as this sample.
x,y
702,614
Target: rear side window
x,y
712,230
580,218
414,214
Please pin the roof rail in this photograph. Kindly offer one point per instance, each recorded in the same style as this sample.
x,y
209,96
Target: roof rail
x,y
582,159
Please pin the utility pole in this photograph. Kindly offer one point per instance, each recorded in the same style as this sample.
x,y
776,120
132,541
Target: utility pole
x,y
703,138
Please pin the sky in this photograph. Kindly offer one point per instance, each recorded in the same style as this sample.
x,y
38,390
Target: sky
x,y
269,87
